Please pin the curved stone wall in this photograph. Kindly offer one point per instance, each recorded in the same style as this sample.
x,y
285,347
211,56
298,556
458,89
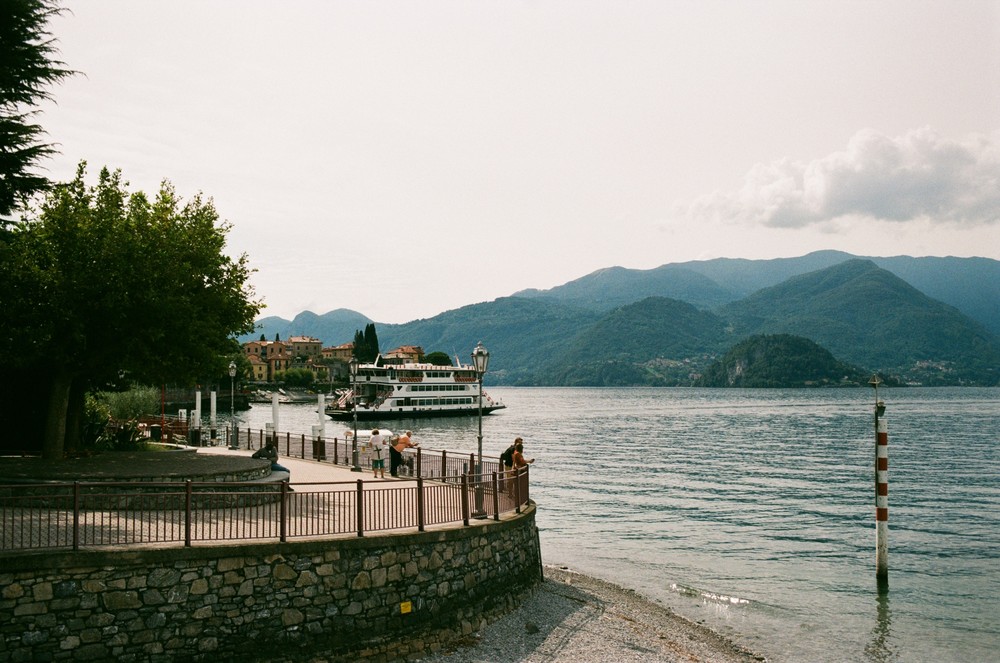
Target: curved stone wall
x,y
379,597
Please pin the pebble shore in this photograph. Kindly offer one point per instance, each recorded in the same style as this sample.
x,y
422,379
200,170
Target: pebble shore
x,y
576,618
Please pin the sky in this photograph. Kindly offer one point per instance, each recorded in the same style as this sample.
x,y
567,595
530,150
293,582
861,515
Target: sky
x,y
401,159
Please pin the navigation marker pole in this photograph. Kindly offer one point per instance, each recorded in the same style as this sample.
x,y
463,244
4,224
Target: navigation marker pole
x,y
881,492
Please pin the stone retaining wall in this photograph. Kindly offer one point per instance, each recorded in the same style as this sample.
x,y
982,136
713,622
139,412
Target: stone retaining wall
x,y
376,597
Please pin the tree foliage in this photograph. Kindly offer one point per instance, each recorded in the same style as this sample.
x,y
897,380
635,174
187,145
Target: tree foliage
x,y
27,69
780,361
366,347
437,358
296,377
107,285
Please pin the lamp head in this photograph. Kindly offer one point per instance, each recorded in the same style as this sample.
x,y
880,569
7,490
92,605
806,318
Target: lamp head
x,y
232,369
353,366
480,358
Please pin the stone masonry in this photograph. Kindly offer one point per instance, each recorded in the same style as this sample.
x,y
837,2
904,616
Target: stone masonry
x,y
385,597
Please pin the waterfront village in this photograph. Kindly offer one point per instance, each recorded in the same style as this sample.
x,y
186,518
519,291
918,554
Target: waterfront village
x,y
270,359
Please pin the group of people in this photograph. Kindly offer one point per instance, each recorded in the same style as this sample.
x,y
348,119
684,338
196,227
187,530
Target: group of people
x,y
511,459
395,451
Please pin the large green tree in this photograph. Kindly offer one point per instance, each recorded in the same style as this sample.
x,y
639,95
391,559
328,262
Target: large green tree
x,y
27,70
106,284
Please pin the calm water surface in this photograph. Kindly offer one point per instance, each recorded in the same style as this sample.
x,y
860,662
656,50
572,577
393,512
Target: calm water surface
x,y
753,510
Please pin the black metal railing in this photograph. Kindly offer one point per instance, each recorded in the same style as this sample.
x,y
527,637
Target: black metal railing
x,y
92,514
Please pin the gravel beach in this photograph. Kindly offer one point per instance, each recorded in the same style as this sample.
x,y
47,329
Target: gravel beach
x,y
573,617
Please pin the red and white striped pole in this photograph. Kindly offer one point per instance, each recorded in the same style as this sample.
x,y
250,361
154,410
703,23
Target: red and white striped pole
x,y
881,491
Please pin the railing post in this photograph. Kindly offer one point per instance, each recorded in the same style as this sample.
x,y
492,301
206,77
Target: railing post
x,y
304,446
517,490
187,513
336,447
419,473
283,512
420,502
361,508
496,497
444,464
465,500
76,515
288,443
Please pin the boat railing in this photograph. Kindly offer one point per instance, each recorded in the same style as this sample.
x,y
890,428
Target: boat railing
x,y
489,399
379,399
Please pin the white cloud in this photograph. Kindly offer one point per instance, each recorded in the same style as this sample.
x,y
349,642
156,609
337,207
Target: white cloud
x,y
919,176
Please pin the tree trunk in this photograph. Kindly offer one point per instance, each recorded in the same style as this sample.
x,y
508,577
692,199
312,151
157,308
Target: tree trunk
x,y
55,420
74,416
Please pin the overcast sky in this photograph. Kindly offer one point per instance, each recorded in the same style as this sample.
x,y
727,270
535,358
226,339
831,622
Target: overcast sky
x,y
406,158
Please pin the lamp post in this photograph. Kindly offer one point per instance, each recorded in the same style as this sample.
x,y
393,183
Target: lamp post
x,y
353,365
481,360
234,442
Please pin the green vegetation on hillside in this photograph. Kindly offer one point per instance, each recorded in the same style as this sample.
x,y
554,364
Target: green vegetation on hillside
x,y
861,313
871,318
780,361
651,342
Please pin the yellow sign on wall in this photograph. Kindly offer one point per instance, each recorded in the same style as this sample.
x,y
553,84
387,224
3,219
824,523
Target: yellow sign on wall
x,y
405,607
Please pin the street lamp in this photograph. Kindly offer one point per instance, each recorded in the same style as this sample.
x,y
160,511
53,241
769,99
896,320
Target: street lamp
x,y
353,365
234,442
481,360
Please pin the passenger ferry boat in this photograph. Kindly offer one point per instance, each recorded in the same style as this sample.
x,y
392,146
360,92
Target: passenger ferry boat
x,y
403,391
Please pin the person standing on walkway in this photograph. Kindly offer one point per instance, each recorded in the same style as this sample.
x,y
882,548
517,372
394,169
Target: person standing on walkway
x,y
518,462
396,452
507,462
377,443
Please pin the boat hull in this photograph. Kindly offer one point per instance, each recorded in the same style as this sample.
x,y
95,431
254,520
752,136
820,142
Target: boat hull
x,y
389,415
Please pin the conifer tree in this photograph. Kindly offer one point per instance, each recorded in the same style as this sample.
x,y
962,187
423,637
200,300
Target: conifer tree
x,y
371,341
27,68
359,351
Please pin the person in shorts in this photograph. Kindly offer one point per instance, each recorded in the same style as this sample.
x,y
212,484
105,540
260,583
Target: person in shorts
x,y
377,443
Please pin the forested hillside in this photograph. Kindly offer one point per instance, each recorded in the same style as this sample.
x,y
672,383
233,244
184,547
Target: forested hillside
x,y
863,314
780,361
867,316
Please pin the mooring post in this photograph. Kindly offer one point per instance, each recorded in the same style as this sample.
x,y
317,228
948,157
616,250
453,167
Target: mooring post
x,y
881,491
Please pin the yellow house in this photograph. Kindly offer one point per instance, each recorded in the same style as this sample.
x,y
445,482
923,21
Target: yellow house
x,y
258,368
274,355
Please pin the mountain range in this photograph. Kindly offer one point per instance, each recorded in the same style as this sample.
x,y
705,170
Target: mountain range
x,y
926,320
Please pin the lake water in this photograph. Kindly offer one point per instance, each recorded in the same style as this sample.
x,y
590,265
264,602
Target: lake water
x,y
753,510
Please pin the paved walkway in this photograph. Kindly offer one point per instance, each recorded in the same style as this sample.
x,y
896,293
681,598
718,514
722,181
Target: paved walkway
x,y
313,471
325,501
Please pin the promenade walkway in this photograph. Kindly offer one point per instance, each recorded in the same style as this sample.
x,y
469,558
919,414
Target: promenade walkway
x,y
156,498
309,471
